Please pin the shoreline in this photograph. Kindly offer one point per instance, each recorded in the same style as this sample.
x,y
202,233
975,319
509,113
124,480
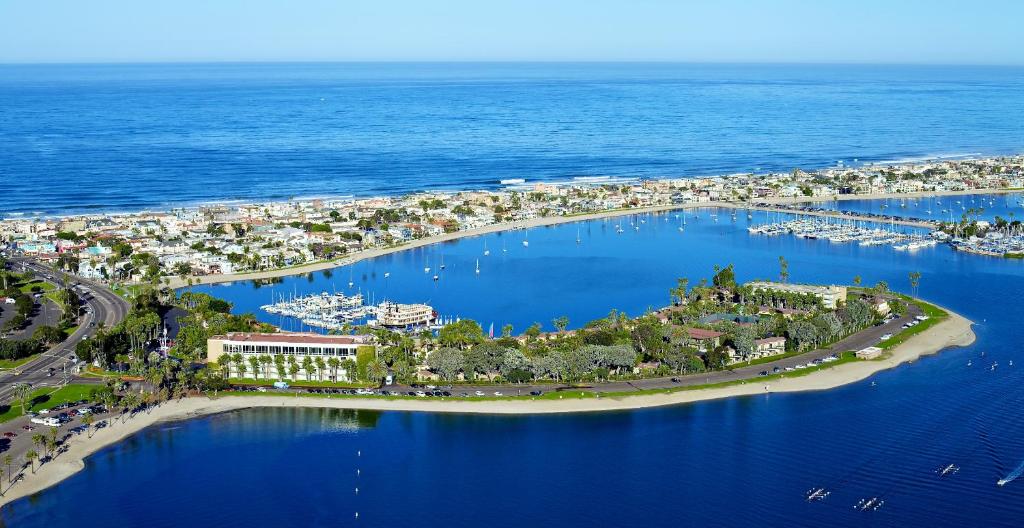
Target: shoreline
x,y
175,283
954,331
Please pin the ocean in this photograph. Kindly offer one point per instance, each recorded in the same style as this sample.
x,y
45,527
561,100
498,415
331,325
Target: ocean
x,y
109,138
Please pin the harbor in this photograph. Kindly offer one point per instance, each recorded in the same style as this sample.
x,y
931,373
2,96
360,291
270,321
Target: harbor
x,y
340,312
847,231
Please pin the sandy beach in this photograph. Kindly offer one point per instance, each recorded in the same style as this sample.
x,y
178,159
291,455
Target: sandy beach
x,y
177,282
954,331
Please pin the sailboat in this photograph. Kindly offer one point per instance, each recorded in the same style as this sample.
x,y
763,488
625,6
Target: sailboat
x,y
526,241
578,236
350,282
477,266
442,262
503,249
486,251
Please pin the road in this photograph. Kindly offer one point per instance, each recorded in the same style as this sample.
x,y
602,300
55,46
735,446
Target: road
x,y
750,374
104,308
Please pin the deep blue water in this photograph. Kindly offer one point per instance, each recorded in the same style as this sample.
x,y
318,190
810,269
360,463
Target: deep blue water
x,y
738,462
128,137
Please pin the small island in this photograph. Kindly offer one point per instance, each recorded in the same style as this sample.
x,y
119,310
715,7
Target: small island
x,y
717,339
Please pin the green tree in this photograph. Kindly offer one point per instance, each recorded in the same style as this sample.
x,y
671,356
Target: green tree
x,y
461,334
915,280
783,269
446,362
87,422
22,393
307,367
561,323
31,457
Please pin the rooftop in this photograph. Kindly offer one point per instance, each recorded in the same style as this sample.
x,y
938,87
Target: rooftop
x,y
292,337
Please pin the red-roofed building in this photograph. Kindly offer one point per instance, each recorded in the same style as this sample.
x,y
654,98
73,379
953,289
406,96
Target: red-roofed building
x,y
703,339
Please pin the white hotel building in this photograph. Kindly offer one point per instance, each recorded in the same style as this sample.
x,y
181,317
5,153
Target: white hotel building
x,y
290,345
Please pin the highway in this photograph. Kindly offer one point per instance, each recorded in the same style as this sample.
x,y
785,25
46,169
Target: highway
x,y
104,309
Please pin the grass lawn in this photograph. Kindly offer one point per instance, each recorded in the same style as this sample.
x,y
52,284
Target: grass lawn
x,y
15,363
45,398
46,287
935,316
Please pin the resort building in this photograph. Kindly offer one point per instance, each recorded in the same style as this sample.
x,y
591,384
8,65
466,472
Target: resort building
x,y
294,347
830,296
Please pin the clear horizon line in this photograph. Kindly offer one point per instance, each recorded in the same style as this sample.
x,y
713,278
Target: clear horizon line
x,y
116,62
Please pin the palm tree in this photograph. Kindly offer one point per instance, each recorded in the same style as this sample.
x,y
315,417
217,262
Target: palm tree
x,y
31,457
266,360
783,269
239,365
678,294
279,366
8,459
39,439
856,280
307,367
915,280
320,367
254,362
334,363
87,421
376,370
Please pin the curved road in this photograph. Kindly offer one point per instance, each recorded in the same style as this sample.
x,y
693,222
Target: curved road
x,y
104,308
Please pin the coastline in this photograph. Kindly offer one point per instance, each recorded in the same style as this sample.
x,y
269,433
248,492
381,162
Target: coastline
x,y
954,331
177,282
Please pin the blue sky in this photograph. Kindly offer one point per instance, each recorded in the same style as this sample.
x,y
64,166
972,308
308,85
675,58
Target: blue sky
x,y
873,31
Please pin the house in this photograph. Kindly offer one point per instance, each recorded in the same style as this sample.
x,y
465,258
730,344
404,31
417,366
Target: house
x,y
769,346
881,306
703,339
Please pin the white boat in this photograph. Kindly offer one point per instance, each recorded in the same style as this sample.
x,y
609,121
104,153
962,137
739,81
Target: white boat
x,y
477,266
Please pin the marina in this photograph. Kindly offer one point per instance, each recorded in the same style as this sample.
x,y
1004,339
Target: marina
x,y
845,231
340,312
